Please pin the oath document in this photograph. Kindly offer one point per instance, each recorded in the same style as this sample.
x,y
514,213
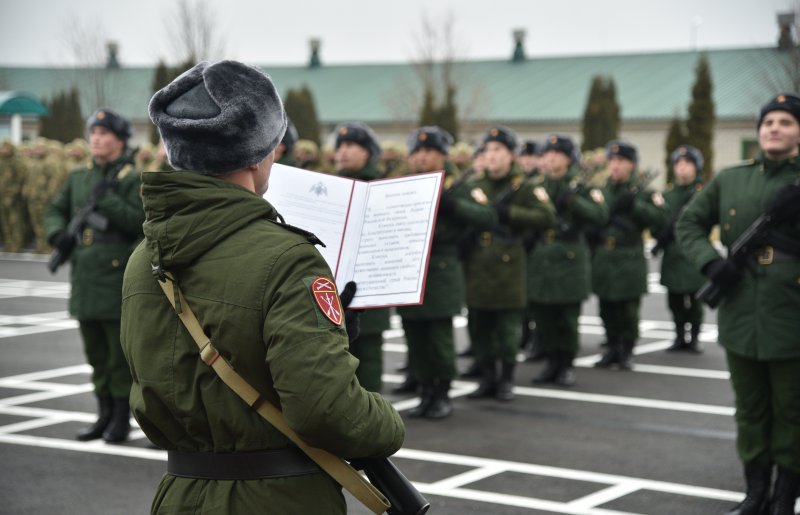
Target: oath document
x,y
376,233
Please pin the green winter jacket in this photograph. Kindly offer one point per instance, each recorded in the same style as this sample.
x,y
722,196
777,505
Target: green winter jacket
x,y
248,279
497,260
559,266
98,262
678,273
619,269
760,317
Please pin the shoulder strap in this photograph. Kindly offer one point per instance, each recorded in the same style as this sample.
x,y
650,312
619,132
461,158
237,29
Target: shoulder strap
x,y
336,467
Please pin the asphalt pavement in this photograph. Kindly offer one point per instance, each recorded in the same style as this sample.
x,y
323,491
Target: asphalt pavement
x,y
656,440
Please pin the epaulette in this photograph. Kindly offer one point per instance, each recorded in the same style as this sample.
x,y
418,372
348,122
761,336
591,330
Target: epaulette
x,y
310,236
516,181
126,170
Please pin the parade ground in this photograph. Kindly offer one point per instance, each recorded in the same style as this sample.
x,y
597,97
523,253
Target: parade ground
x,y
657,440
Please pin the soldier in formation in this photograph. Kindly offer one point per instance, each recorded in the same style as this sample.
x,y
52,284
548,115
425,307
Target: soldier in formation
x,y
429,327
619,269
758,315
678,274
496,262
559,274
13,214
99,253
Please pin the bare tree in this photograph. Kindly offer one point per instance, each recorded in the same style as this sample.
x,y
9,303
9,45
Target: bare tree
x,y
86,45
194,33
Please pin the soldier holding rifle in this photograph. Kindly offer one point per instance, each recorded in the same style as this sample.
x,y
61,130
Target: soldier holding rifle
x,y
94,221
757,206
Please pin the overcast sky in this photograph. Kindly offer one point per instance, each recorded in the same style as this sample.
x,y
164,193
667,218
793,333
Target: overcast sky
x,y
37,32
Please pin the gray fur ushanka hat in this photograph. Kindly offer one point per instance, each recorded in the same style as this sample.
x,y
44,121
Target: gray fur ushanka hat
x,y
218,118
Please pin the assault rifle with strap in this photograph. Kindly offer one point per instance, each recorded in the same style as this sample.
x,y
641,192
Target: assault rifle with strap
x,y
88,215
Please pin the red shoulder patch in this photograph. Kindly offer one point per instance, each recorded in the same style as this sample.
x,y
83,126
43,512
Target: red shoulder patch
x,y
327,299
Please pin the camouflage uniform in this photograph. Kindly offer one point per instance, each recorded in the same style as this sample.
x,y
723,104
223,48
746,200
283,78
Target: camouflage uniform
x,y
13,215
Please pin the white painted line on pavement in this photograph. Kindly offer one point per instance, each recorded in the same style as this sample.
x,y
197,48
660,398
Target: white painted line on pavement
x,y
46,374
471,476
43,396
95,446
603,496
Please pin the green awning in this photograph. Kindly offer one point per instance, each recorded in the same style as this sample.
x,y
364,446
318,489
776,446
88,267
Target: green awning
x,y
16,102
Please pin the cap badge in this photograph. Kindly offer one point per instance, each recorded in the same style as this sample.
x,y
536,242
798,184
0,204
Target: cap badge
x,y
781,98
494,132
423,136
101,115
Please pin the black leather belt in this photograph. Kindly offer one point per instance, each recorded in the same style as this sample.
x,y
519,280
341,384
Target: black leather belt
x,y
240,466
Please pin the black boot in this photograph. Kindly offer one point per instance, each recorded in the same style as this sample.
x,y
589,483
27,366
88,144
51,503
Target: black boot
x,y
566,371
95,431
694,344
442,406
550,371
488,384
474,370
409,385
787,489
120,425
425,402
626,354
611,355
680,339
505,389
758,478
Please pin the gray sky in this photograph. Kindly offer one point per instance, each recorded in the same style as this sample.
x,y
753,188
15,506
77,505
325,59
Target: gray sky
x,y
36,32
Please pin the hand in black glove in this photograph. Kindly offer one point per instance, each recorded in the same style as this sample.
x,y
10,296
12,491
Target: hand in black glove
x,y
503,213
60,240
624,203
352,317
722,272
447,204
786,206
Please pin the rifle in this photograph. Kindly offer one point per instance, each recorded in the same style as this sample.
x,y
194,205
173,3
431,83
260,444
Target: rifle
x,y
87,216
742,249
386,477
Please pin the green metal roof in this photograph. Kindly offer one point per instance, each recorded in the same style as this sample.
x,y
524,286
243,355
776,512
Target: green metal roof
x,y
16,102
652,86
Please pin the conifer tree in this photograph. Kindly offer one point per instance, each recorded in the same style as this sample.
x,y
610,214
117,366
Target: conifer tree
x,y
300,107
63,122
601,118
700,124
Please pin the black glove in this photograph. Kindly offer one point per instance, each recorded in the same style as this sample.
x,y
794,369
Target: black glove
x,y
102,187
352,317
60,240
786,206
503,213
447,204
722,272
624,203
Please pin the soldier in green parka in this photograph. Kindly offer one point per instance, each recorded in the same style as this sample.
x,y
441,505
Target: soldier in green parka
x,y
678,273
559,265
496,262
619,269
251,281
759,318
429,327
357,155
98,263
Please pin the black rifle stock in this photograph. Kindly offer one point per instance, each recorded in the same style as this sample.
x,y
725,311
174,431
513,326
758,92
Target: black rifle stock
x,y
742,249
404,498
87,216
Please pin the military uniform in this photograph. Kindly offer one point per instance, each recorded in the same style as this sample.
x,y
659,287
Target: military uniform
x,y
758,318
429,327
368,348
619,269
678,274
496,269
559,267
97,266
258,288
13,215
